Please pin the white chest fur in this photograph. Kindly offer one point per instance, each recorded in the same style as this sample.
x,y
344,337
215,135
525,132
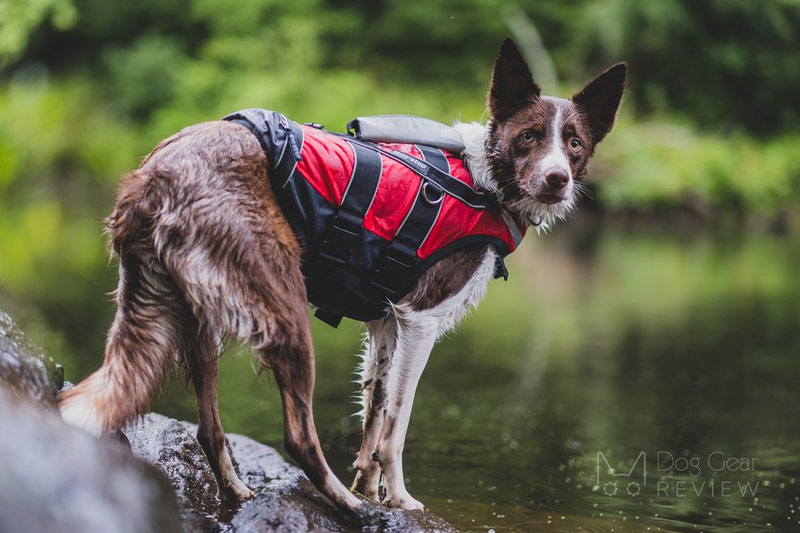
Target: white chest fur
x,y
451,311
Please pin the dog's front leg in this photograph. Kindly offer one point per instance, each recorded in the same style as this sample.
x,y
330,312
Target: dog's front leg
x,y
374,384
415,339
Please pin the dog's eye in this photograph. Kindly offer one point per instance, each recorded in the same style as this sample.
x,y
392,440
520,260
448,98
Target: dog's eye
x,y
575,143
527,136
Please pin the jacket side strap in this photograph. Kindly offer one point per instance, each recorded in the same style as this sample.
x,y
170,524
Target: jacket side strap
x,y
348,223
401,255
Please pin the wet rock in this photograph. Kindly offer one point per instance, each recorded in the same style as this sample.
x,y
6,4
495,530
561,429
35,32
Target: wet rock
x,y
167,444
25,370
54,477
57,478
285,499
296,506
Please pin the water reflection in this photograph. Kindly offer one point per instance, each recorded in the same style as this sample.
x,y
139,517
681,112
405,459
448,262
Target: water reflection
x,y
606,339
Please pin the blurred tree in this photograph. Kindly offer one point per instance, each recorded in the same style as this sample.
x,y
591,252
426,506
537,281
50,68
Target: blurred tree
x,y
730,63
19,19
144,76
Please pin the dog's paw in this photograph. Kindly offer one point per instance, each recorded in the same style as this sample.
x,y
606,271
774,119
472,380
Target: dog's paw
x,y
405,502
237,492
366,484
348,500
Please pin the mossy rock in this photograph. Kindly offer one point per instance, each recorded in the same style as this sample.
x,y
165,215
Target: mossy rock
x,y
25,369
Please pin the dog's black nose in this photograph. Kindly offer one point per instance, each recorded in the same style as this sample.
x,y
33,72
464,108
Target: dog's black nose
x,y
556,178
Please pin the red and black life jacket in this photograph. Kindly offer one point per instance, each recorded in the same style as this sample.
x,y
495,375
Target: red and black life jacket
x,y
372,218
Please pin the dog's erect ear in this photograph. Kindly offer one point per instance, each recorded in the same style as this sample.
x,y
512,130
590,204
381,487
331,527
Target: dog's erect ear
x,y
512,85
600,100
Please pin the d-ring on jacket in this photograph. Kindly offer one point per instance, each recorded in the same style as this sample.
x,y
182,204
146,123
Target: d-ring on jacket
x,y
372,218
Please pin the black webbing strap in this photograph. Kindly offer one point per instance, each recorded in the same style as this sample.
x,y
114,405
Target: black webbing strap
x,y
329,317
286,162
440,177
343,236
435,157
348,222
281,139
443,180
401,255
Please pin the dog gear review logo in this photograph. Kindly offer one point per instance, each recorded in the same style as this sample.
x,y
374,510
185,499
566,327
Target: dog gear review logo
x,y
613,483
717,474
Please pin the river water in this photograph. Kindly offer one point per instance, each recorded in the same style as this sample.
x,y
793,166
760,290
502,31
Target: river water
x,y
628,377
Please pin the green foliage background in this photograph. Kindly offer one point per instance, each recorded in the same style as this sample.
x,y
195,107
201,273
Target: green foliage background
x,y
87,87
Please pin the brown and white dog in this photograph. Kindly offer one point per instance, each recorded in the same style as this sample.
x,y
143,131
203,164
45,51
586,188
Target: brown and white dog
x,y
205,251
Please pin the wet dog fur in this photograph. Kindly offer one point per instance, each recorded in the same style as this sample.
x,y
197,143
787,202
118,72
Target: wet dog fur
x,y
205,252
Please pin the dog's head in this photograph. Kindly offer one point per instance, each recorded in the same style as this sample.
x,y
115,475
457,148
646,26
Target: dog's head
x,y
538,146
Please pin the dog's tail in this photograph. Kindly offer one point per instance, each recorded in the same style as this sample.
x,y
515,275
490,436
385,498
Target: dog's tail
x,y
142,338
129,225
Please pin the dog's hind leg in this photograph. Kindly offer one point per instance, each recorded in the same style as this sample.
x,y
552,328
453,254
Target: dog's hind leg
x,y
415,340
237,291
374,375
202,360
141,345
245,282
293,366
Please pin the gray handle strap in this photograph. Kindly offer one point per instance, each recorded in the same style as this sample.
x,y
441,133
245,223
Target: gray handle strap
x,y
406,129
